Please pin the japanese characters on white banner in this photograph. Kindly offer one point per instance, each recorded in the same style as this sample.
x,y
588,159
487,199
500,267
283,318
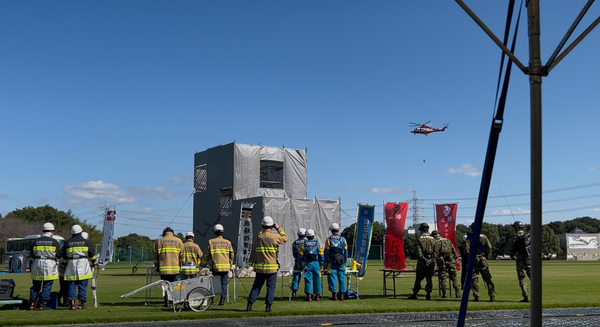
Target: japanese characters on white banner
x,y
244,247
108,236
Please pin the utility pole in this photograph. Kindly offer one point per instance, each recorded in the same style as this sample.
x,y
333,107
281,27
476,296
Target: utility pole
x,y
416,208
536,71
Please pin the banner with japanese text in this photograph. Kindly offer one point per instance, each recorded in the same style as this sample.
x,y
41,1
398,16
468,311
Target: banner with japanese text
x,y
364,229
445,215
108,236
244,235
395,219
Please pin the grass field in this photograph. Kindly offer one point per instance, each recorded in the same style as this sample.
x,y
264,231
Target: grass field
x,y
565,284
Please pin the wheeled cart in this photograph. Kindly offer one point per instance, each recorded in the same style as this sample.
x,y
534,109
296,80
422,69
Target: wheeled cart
x,y
194,293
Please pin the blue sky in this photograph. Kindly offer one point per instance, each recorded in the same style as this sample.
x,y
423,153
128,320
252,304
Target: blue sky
x,y
106,102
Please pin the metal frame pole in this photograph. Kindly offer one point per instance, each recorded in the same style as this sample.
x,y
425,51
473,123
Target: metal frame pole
x,y
535,87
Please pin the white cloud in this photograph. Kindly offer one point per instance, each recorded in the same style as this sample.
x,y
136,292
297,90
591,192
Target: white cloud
x,y
593,168
383,190
153,192
596,210
98,190
508,212
465,169
180,179
4,196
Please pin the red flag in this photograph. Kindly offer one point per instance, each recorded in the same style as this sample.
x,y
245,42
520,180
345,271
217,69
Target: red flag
x,y
446,223
395,218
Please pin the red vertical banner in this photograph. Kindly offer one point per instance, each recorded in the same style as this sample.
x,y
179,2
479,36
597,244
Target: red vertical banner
x,y
395,218
446,223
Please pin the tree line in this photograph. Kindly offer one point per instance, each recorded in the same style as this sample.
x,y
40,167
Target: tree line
x,y
500,235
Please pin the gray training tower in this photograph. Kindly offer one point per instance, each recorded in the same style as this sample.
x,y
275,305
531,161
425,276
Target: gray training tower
x,y
273,179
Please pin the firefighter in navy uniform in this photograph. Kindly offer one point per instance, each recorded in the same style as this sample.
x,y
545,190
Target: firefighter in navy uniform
x,y
219,253
520,251
336,254
168,255
297,264
426,262
264,256
310,256
192,256
77,253
45,252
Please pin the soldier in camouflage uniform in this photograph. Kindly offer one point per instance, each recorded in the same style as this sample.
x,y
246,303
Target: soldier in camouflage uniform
x,y
521,255
481,267
446,262
426,262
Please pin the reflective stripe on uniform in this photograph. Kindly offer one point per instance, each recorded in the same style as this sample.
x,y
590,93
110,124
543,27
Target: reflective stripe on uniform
x,y
77,249
213,251
45,278
221,265
80,277
268,249
169,250
265,266
44,248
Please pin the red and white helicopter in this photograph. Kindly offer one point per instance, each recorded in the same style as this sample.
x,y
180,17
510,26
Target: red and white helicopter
x,y
426,129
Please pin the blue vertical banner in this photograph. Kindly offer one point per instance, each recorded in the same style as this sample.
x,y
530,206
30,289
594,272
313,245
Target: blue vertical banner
x,y
364,230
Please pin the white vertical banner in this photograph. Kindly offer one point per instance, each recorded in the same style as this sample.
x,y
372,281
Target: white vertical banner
x,y
108,236
244,244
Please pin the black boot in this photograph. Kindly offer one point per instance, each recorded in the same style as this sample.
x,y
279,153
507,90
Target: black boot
x,y
457,293
31,304
333,296
293,293
308,297
428,296
492,298
413,296
44,306
443,293
268,308
72,305
476,298
249,306
82,305
222,301
317,297
525,299
341,296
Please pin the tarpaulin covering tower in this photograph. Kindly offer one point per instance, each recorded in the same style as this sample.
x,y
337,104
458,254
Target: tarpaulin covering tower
x,y
270,180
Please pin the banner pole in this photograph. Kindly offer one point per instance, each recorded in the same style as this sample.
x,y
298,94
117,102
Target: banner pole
x,y
384,233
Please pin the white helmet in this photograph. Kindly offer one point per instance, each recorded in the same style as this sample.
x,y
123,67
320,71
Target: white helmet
x,y
217,228
85,235
267,221
464,237
334,226
48,227
76,229
189,234
310,233
302,232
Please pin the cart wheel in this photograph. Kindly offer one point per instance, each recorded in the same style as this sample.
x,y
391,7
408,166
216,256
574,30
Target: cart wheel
x,y
199,299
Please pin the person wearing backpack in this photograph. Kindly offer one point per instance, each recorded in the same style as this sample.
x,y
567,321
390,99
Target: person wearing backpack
x,y
336,254
310,255
481,268
297,264
426,248
446,263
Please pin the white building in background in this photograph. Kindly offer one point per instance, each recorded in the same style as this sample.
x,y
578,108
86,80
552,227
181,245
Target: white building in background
x,y
579,245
